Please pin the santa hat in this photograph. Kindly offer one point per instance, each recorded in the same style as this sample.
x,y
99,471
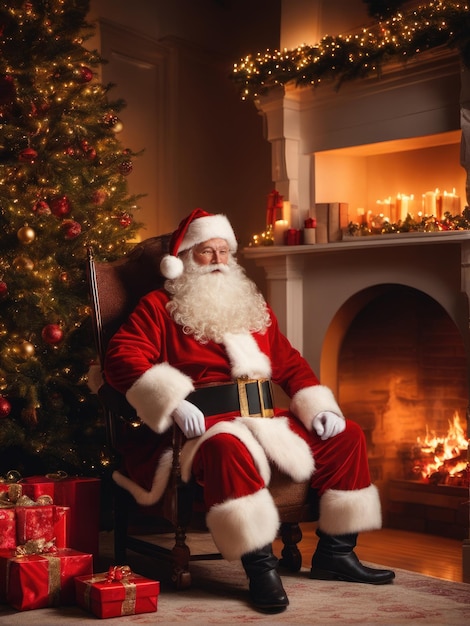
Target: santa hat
x,y
199,226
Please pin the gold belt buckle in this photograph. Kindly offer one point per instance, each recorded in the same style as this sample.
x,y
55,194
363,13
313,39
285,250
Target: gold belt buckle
x,y
243,397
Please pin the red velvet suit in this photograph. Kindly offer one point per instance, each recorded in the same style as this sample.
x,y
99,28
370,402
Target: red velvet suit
x,y
157,365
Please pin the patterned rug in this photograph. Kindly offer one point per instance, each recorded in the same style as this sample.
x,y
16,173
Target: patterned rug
x,y
219,596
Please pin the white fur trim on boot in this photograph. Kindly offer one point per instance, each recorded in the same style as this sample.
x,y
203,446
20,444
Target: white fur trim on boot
x,y
310,401
160,481
284,448
345,512
157,393
242,525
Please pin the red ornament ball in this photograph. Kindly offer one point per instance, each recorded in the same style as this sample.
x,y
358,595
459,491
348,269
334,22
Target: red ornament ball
x,y
60,205
99,197
125,220
85,74
5,407
41,208
28,155
125,167
3,289
71,229
52,334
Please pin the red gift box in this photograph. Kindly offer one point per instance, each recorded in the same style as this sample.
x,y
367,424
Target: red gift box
x,y
7,529
105,596
82,495
39,581
49,522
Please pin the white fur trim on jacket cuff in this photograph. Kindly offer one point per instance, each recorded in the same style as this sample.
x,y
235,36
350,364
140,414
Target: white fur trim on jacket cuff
x,y
308,402
242,525
160,481
346,512
157,393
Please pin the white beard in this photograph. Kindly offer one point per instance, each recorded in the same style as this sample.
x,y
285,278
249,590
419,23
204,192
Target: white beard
x,y
210,301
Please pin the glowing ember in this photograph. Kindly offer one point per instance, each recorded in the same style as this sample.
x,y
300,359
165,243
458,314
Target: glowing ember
x,y
444,459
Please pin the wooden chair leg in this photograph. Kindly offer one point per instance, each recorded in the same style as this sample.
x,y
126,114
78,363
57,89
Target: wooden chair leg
x,y
291,535
180,575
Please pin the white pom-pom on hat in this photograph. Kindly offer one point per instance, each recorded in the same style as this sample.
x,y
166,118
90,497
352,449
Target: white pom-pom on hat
x,y
199,226
171,266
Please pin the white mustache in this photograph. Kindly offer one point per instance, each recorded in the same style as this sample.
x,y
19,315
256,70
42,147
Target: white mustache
x,y
216,267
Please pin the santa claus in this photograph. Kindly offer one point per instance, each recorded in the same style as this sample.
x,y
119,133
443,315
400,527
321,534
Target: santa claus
x,y
202,352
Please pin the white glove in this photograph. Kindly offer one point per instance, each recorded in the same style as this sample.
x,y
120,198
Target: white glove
x,y
327,424
190,419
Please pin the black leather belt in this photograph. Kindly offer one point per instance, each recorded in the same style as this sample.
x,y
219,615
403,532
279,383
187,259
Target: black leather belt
x,y
251,398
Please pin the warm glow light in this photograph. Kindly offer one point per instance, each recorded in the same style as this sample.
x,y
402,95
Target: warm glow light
x,y
447,453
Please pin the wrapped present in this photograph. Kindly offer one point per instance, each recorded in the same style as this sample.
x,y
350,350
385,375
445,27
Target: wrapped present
x,y
49,522
116,593
7,528
23,519
42,580
82,495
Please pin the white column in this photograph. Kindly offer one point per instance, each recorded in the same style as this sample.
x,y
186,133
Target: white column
x,y
285,294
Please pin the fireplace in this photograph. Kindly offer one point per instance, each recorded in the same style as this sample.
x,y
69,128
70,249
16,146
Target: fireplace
x,y
384,321
402,375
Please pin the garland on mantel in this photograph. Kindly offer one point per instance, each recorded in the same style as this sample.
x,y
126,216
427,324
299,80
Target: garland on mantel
x,y
347,57
425,224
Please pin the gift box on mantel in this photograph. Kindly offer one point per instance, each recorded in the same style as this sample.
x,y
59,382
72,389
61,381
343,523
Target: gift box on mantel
x,y
116,593
38,581
82,495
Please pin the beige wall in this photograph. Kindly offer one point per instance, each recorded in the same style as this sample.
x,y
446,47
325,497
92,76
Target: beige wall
x,y
203,147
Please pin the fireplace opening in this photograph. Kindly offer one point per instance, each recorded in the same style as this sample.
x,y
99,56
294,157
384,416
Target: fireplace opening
x,y
402,375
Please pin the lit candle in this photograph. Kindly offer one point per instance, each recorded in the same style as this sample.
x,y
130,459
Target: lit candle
x,y
450,203
280,227
286,211
430,202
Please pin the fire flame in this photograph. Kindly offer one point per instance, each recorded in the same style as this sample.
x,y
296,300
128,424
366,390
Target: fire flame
x,y
445,455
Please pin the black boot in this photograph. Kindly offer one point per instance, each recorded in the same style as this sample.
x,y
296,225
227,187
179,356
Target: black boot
x,y
334,559
266,590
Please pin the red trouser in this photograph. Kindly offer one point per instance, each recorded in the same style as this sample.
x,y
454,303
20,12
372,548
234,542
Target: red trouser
x,y
226,470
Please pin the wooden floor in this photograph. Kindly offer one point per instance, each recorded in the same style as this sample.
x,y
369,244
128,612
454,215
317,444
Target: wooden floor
x,y
416,552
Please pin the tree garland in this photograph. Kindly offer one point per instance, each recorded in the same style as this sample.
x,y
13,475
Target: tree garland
x,y
342,58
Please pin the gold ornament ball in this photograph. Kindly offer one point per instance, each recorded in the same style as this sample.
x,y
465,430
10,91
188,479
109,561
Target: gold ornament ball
x,y
118,126
23,263
26,235
24,349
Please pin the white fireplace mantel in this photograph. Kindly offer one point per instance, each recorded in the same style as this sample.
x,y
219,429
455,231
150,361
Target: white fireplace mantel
x,y
312,288
401,110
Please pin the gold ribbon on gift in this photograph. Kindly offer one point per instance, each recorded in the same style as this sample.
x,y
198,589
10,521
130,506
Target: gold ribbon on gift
x,y
59,475
15,497
12,476
36,546
54,580
128,604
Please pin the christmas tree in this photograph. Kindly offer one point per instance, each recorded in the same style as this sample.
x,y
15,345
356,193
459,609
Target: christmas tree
x,y
63,187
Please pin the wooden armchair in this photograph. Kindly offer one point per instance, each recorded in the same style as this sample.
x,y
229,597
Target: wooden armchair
x,y
115,288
